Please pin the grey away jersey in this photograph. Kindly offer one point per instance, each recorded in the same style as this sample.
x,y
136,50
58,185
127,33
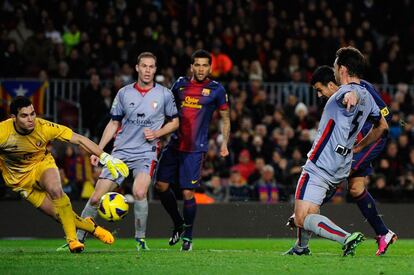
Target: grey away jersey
x,y
331,153
138,112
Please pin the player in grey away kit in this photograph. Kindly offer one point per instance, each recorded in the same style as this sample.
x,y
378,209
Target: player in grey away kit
x,y
139,112
329,160
324,83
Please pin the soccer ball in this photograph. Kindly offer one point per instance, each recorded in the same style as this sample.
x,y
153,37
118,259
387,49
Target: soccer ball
x,y
113,207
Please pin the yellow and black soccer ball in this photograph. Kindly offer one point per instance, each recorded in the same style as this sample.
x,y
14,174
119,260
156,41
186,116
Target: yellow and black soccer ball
x,y
113,207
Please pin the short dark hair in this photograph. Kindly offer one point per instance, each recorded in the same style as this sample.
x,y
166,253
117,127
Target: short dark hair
x,y
352,59
18,103
201,54
323,74
146,54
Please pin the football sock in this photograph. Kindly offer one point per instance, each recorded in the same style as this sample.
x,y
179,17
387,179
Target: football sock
x,y
89,211
324,227
141,214
189,211
64,213
81,223
303,238
169,202
367,206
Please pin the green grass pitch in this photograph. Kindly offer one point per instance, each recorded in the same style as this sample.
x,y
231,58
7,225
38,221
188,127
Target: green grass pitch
x,y
210,256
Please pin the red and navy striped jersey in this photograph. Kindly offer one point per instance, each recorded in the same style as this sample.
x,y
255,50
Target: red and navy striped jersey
x,y
196,103
381,105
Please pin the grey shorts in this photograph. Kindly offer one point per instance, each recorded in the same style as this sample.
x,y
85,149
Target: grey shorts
x,y
143,163
313,188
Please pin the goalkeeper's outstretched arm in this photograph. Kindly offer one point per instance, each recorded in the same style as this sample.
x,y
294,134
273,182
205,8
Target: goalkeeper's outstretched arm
x,y
87,144
114,165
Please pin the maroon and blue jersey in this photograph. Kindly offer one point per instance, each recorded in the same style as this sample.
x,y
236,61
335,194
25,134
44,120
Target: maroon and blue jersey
x,y
196,103
361,162
381,105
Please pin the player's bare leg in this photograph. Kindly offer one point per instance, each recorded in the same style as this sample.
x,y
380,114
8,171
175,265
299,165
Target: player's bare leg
x,y
140,190
302,210
366,205
169,201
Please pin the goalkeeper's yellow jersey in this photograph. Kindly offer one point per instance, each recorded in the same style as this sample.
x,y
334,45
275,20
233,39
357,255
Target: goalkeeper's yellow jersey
x,y
20,153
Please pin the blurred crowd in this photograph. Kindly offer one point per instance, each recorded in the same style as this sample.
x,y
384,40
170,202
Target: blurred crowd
x,y
269,40
251,42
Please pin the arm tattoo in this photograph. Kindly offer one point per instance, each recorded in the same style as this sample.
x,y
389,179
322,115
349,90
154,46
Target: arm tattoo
x,y
225,116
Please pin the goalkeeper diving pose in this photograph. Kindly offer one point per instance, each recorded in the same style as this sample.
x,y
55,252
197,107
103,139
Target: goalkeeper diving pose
x,y
137,119
29,169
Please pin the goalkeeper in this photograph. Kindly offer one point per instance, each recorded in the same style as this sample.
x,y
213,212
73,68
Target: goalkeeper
x,y
138,119
30,170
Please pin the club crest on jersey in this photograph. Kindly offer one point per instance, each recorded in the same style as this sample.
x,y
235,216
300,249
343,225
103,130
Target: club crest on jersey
x,y
205,92
154,105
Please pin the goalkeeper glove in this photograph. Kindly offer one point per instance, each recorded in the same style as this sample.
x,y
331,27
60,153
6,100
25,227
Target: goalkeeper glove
x,y
114,165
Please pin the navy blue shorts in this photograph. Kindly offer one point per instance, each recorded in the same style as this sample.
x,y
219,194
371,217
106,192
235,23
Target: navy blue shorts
x,y
361,162
179,167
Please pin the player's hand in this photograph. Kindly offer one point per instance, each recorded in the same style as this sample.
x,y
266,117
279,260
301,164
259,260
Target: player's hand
x,y
149,134
224,151
114,165
94,160
357,149
350,100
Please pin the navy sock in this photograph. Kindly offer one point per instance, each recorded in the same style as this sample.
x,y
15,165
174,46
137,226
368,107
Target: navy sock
x,y
367,206
169,202
189,211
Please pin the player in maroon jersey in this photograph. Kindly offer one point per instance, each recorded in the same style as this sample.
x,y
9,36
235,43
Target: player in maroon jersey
x,y
197,98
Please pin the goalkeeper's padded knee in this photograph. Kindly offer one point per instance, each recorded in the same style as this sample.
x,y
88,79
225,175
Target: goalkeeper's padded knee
x,y
115,166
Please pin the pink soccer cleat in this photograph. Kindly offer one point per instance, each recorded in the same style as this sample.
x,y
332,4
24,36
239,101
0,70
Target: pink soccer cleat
x,y
384,241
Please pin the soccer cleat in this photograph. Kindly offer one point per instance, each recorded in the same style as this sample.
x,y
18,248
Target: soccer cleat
x,y
142,245
291,222
76,246
303,252
187,245
101,233
352,242
176,234
64,247
384,242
